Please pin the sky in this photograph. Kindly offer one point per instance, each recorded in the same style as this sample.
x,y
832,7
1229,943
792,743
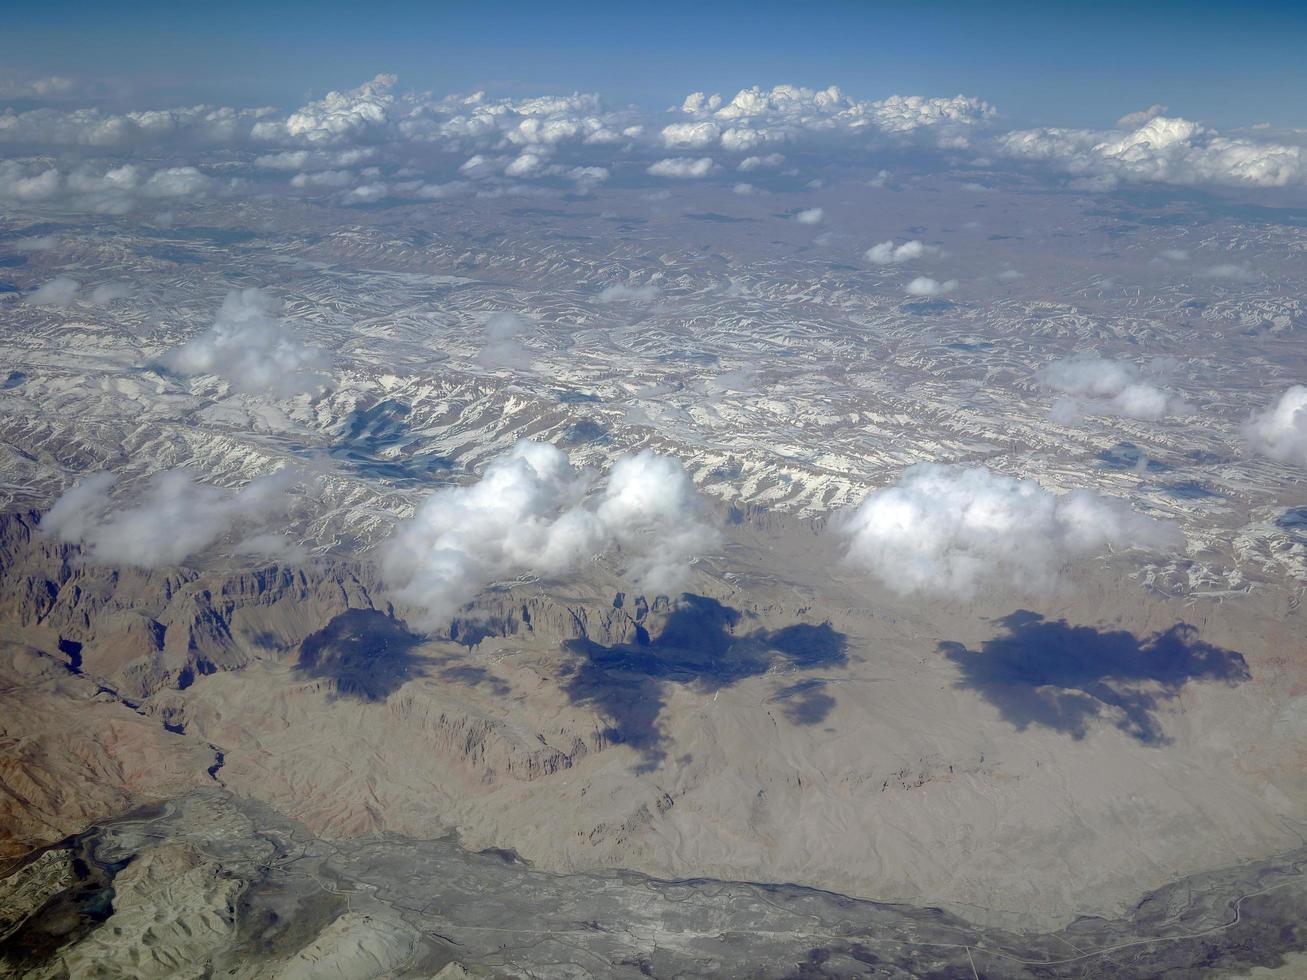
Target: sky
x,y
1066,64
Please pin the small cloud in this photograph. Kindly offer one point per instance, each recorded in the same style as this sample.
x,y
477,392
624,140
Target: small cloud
x,y
622,293
1230,270
682,168
887,253
926,286
1135,120
1280,431
59,291
811,216
42,243
753,163
106,293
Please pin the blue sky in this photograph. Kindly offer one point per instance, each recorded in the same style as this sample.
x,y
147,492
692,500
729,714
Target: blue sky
x,y
1050,63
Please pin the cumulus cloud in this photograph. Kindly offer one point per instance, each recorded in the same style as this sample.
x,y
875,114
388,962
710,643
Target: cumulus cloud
x,y
926,286
786,113
683,168
1280,431
951,531
753,163
887,253
502,347
253,349
337,117
1134,120
1093,385
114,190
811,216
59,291
1160,149
173,519
194,125
532,513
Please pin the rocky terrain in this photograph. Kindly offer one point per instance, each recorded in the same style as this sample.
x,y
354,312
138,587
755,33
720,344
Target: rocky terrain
x,y
261,759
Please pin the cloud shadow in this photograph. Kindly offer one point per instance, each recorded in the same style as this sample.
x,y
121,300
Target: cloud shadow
x,y
700,645
1063,677
365,653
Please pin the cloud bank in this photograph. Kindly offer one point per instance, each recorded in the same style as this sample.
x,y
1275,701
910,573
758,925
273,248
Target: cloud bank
x,y
949,531
531,513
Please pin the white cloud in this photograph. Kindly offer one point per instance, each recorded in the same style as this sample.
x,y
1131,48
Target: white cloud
x,y
59,291
253,349
1162,149
786,113
338,117
524,165
743,188
682,167
530,514
753,163
365,194
1280,431
620,292
28,184
42,243
106,293
1134,120
949,531
174,519
926,286
1230,270
1096,385
35,88
502,347
204,125
114,190
812,216
1173,255
323,178
690,135
887,253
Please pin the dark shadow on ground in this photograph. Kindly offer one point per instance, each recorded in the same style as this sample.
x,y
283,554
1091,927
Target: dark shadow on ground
x,y
805,703
701,645
1059,676
368,655
1128,456
377,442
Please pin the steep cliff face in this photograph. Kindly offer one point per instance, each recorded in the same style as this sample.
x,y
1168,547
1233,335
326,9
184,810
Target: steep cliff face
x,y
143,630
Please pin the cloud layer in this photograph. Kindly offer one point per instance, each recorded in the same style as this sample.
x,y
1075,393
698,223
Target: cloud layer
x,y
949,531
